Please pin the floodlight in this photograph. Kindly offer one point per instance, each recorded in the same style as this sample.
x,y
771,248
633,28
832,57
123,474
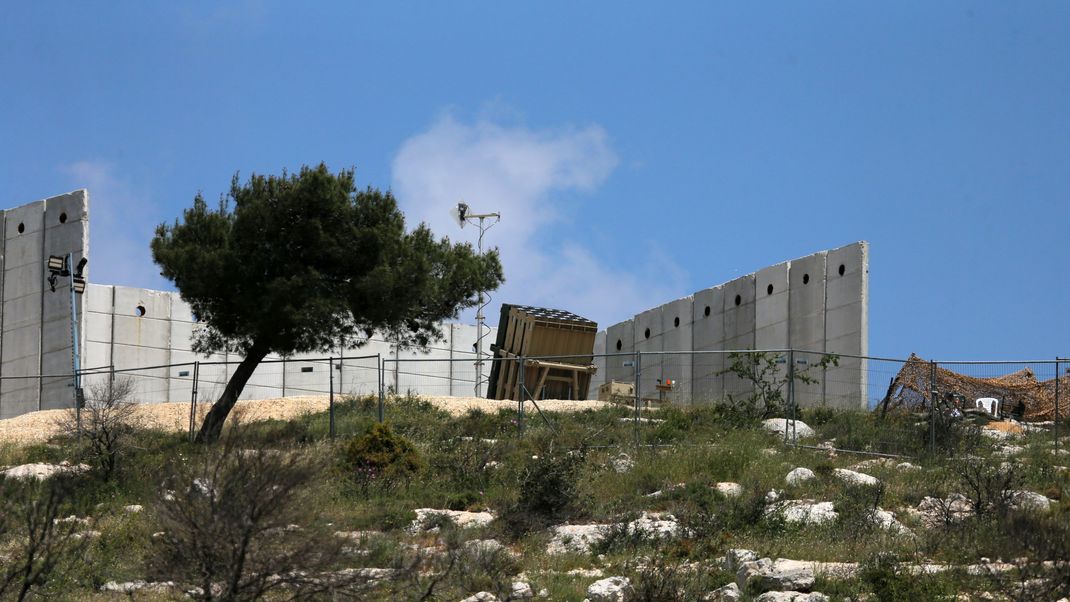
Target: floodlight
x,y
79,285
460,213
81,267
56,263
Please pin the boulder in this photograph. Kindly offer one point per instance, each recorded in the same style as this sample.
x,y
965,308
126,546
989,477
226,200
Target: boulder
x,y
736,557
427,519
854,478
729,489
575,538
622,463
521,590
783,425
799,475
481,597
805,512
41,471
765,575
728,593
792,597
610,589
907,466
1029,501
933,511
887,521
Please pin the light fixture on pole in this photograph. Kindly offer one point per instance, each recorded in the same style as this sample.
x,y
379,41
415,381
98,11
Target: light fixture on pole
x,y
462,214
63,266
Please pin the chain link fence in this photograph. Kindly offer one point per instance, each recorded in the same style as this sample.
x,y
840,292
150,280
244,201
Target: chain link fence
x,y
866,405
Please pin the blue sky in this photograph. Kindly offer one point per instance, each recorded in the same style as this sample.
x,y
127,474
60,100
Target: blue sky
x,y
638,152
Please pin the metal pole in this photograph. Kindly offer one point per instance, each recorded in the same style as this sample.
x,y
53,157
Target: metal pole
x,y
522,393
479,320
75,359
382,381
1056,406
193,400
382,404
932,406
638,393
791,396
330,398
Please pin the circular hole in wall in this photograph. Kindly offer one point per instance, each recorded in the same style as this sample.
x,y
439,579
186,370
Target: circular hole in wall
x,y
769,290
676,322
620,345
806,278
140,311
739,299
706,311
22,227
646,333
63,217
843,269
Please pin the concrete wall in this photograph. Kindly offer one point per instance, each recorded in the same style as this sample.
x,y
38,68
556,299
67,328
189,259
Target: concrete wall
x,y
620,339
35,328
141,331
649,338
738,328
807,324
847,324
707,334
676,328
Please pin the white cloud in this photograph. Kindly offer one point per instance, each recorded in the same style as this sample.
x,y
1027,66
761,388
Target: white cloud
x,y
522,173
121,225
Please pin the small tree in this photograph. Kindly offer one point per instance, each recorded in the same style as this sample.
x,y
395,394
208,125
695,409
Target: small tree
x,y
236,527
768,380
306,262
108,421
39,541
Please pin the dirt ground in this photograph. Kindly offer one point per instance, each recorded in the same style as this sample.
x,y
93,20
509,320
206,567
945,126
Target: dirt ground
x,y
39,426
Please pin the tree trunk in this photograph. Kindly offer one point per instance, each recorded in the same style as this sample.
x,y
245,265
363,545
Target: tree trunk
x,y
217,416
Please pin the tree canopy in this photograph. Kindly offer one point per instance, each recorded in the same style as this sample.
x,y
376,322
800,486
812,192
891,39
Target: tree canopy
x,y
304,262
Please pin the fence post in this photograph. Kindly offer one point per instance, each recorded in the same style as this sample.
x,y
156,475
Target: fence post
x,y
521,393
330,397
382,379
638,395
1056,406
193,400
382,401
791,396
933,393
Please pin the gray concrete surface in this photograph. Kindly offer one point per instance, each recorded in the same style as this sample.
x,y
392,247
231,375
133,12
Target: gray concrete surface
x,y
707,334
677,335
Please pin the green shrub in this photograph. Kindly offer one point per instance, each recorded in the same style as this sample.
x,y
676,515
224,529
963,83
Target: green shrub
x,y
547,492
381,455
892,583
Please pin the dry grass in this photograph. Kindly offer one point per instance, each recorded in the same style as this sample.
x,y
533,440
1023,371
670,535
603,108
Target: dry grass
x,y
40,426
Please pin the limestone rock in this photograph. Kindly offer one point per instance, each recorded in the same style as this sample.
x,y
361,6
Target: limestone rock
x,y
610,589
887,521
806,512
728,593
782,425
41,471
729,489
799,475
622,463
1029,501
736,557
481,597
792,597
575,538
521,590
765,575
855,478
427,518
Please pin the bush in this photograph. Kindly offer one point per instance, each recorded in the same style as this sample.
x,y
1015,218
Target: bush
x,y
547,492
890,582
380,455
105,426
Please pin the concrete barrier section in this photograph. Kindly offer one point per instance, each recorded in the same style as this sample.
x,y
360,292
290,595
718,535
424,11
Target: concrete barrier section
x,y
847,324
677,335
707,334
620,339
806,322
648,338
738,329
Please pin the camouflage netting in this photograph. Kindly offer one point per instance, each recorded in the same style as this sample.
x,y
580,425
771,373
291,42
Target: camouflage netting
x,y
910,389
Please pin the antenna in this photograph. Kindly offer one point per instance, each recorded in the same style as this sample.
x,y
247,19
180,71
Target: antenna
x,y
462,214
